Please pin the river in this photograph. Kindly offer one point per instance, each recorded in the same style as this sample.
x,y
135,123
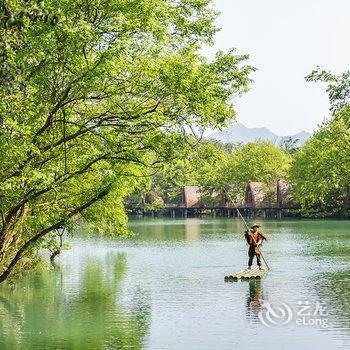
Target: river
x,y
164,289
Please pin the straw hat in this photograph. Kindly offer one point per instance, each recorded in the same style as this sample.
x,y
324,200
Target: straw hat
x,y
255,225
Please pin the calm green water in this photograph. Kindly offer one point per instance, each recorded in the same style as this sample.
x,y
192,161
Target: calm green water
x,y
165,289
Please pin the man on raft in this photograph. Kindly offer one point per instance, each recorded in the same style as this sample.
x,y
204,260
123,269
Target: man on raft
x,y
254,238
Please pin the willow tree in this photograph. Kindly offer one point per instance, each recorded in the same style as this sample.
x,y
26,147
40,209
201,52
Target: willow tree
x,y
94,94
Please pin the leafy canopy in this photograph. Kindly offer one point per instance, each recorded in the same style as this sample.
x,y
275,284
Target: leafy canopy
x,y
96,94
221,170
320,171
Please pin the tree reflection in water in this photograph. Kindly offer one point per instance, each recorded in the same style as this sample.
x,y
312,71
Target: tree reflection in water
x,y
48,311
254,299
333,290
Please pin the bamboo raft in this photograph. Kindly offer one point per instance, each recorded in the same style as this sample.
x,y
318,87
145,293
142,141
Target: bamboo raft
x,y
246,275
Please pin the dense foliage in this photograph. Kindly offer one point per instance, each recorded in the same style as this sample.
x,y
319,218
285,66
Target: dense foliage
x,y
321,169
94,96
221,170
97,101
318,171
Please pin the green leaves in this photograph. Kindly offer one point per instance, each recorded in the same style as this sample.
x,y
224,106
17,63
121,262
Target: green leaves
x,y
320,171
94,101
338,87
261,161
221,170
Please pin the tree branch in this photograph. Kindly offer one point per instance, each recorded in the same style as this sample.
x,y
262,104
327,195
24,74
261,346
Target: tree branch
x,y
104,192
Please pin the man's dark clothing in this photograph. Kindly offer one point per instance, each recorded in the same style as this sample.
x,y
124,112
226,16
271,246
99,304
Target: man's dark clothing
x,y
251,254
253,250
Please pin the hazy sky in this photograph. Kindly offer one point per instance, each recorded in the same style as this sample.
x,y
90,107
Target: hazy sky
x,y
286,39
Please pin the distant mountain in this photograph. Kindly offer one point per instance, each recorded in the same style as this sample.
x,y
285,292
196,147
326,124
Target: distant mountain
x,y
240,133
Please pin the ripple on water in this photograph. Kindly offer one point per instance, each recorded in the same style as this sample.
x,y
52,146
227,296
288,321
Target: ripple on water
x,y
164,289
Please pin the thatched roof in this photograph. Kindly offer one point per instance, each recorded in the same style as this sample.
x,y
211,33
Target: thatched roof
x,y
254,194
284,194
192,196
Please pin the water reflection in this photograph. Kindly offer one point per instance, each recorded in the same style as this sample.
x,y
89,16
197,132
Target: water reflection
x,y
329,244
333,289
192,229
49,311
254,299
100,300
